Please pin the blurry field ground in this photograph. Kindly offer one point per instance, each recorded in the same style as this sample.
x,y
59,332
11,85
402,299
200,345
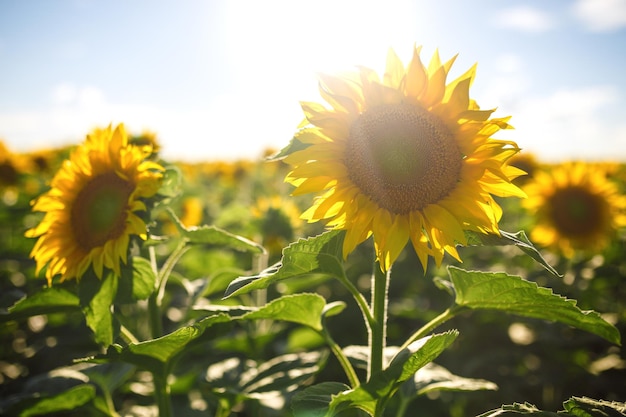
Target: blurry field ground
x,y
530,360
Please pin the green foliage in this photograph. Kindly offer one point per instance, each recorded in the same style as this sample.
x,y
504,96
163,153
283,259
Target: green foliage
x,y
511,294
574,407
319,254
305,309
197,323
49,300
518,239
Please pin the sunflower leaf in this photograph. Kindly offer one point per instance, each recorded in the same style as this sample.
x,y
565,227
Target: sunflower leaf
x,y
319,254
499,291
587,407
213,235
314,400
144,278
70,399
97,304
402,367
305,309
517,409
518,239
48,300
171,183
293,146
157,354
433,377
574,407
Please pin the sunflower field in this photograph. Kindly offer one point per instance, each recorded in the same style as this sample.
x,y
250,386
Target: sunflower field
x,y
394,259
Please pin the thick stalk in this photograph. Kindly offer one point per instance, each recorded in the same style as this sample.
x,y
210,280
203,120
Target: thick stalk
x,y
378,327
162,395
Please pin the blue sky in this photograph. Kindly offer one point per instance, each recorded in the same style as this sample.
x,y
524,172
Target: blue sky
x,y
223,79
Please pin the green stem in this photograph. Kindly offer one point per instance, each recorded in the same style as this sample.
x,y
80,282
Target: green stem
x,y
378,327
402,407
437,321
156,299
162,395
127,335
341,357
223,408
358,297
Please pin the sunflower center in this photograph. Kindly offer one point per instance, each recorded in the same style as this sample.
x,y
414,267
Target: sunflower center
x,y
576,212
100,211
403,157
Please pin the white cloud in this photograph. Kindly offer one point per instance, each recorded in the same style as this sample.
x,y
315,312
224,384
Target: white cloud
x,y
569,124
525,19
601,15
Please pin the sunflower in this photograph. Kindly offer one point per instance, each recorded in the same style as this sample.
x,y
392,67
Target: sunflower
x,y
91,209
278,221
408,157
528,163
576,207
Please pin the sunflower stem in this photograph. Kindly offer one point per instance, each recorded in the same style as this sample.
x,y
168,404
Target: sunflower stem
x,y
437,321
155,301
358,297
342,358
162,395
378,327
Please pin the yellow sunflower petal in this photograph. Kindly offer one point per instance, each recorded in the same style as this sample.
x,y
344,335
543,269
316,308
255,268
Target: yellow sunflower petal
x,y
408,157
89,210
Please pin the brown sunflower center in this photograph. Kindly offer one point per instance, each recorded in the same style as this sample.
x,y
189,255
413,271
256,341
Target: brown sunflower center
x,y
576,212
100,211
402,157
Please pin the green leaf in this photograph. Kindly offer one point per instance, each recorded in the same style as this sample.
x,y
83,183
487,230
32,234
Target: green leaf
x,y
293,146
574,407
283,373
319,254
156,354
314,401
514,410
166,347
97,310
587,407
402,367
237,379
213,235
48,300
518,239
67,400
219,281
172,179
305,309
144,278
433,377
137,281
512,294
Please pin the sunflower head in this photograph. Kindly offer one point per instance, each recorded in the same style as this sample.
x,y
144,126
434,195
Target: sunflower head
x,y
576,207
148,141
93,206
278,221
406,157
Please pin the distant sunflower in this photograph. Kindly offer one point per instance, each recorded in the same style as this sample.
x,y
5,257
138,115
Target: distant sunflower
x,y
528,163
405,158
91,208
278,221
576,208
